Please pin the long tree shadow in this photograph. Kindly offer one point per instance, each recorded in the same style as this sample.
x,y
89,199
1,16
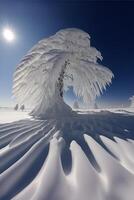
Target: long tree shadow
x,y
106,124
17,138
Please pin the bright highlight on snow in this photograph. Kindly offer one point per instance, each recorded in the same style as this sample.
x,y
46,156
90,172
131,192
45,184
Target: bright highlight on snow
x,y
55,63
8,35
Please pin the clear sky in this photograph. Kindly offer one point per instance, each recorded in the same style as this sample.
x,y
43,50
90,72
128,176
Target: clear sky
x,y
110,25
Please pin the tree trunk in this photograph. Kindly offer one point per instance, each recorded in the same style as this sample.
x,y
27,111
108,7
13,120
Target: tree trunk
x,y
57,107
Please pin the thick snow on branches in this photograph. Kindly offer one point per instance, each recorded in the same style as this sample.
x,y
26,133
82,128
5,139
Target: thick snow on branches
x,y
55,63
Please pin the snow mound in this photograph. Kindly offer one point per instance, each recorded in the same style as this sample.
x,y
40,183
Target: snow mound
x,y
86,156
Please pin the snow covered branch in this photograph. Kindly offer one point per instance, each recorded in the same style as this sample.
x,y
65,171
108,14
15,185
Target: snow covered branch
x,y
55,63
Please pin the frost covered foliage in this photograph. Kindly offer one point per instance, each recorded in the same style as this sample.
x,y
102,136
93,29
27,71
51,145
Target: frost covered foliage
x,y
53,65
132,101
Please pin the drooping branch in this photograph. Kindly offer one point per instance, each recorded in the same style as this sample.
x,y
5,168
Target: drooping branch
x,y
56,63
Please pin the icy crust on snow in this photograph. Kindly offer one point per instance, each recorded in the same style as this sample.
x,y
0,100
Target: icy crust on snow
x,y
36,76
88,156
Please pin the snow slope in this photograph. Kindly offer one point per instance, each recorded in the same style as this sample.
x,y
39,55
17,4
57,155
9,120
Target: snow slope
x,y
88,156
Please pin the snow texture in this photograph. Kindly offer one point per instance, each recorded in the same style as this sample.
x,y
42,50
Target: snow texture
x,y
88,156
60,61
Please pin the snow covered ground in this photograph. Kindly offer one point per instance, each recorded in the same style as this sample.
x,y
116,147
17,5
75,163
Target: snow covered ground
x,y
9,115
86,157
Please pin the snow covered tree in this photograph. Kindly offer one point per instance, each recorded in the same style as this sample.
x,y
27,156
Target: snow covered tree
x,y
132,102
52,66
16,107
76,105
95,106
22,107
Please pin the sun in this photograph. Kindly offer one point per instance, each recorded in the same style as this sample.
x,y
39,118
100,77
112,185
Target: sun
x,y
8,35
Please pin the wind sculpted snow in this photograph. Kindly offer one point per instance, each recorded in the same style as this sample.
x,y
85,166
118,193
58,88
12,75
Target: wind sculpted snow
x,y
87,156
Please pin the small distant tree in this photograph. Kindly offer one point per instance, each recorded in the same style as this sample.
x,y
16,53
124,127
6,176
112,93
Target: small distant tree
x,y
76,105
22,107
16,107
95,106
132,101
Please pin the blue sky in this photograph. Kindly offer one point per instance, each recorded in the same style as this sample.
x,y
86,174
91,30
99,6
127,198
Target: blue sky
x,y
110,26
